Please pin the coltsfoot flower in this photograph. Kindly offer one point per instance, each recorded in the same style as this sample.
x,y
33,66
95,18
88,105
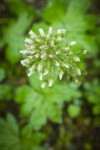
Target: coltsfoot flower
x,y
50,56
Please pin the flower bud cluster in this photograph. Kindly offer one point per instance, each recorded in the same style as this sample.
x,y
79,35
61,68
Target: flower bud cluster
x,y
50,56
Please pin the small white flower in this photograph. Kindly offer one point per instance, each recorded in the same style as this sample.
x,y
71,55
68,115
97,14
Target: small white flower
x,y
40,76
57,52
63,31
38,40
51,56
78,71
52,44
66,48
61,73
50,32
40,67
31,71
67,66
43,47
59,39
43,56
72,43
59,31
30,57
36,56
77,59
23,51
43,85
25,62
50,83
46,72
29,41
57,63
33,35
31,47
42,33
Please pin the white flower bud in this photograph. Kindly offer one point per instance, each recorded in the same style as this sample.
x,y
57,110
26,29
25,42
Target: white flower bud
x,y
40,67
38,40
46,71
29,41
63,31
31,47
61,73
51,56
40,76
59,31
72,43
25,62
42,33
43,47
31,71
43,85
65,65
66,48
50,32
23,51
59,39
30,57
50,83
36,56
52,44
33,35
78,71
76,59
57,52
57,63
43,56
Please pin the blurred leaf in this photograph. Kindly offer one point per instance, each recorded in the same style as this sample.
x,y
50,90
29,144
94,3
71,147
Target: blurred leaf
x,y
19,6
54,11
73,110
78,6
5,92
14,37
11,136
2,74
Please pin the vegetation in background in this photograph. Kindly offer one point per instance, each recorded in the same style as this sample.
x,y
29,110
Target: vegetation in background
x,y
62,117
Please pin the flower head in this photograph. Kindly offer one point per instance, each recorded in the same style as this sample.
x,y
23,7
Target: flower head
x,y
50,56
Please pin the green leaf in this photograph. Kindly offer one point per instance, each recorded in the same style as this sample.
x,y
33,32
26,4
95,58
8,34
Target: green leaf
x,y
30,98
73,110
54,113
5,92
54,11
96,109
14,37
78,6
38,118
11,138
2,74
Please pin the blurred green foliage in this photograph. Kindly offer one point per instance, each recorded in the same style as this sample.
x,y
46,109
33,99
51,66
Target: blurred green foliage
x,y
65,116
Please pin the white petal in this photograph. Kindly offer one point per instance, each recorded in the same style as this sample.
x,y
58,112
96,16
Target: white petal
x,y
42,33
23,51
43,85
29,41
50,83
72,43
66,65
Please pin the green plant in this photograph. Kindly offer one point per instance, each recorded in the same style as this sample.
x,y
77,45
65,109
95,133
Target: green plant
x,y
12,137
